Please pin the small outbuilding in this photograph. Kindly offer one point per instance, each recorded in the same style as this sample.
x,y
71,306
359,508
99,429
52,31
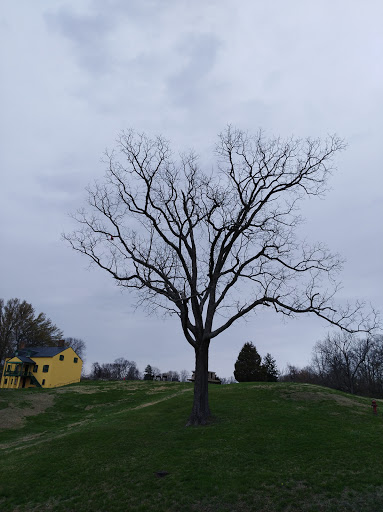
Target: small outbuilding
x,y
212,378
166,377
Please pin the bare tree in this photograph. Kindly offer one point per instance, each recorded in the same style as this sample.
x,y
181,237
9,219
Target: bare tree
x,y
120,369
308,375
213,247
78,345
173,375
184,375
340,360
228,380
156,371
370,378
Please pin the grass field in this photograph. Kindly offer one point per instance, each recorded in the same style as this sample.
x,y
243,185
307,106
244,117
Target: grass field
x,y
270,447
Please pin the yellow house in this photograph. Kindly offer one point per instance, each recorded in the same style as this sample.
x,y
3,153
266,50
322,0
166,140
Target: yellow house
x,y
42,367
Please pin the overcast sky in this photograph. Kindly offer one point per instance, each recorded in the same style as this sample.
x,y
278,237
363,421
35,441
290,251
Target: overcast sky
x,y
75,73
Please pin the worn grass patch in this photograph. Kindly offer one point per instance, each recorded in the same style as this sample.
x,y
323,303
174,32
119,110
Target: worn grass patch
x,y
270,447
18,407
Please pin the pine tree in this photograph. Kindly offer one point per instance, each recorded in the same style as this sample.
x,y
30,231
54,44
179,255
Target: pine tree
x,y
148,375
248,367
270,366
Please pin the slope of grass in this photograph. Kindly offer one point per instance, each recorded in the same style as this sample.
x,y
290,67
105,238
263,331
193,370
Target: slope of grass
x,y
271,447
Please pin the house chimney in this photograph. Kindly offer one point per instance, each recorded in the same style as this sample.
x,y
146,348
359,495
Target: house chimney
x,y
61,343
22,345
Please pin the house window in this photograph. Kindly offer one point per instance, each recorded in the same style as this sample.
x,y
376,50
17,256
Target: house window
x,y
75,360
9,367
35,368
43,382
45,368
61,358
5,381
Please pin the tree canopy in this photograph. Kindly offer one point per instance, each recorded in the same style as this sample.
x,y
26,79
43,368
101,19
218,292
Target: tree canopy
x,y
20,325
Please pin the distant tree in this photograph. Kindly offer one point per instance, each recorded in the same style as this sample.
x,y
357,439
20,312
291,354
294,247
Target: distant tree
x,y
78,345
270,366
248,367
228,380
120,369
133,372
156,371
345,362
19,325
370,374
184,375
294,374
339,359
212,247
96,371
148,373
173,376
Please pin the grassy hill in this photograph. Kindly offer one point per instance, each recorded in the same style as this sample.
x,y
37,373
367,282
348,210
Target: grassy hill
x,y
271,447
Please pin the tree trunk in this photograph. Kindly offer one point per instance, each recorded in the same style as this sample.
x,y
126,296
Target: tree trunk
x,y
200,412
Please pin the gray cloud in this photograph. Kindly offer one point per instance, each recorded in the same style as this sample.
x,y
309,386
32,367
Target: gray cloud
x,y
88,33
92,33
77,73
198,55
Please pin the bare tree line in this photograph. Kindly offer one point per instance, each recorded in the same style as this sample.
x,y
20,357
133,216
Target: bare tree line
x,y
346,362
123,369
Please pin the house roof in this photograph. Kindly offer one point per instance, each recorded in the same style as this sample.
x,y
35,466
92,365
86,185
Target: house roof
x,y
25,359
39,352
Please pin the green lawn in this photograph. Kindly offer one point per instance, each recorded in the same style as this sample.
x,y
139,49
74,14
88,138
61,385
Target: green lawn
x,y
270,447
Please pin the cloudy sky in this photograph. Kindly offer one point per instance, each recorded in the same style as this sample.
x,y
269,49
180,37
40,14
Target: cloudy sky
x,y
76,72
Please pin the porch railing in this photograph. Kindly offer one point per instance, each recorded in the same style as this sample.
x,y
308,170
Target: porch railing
x,y
17,373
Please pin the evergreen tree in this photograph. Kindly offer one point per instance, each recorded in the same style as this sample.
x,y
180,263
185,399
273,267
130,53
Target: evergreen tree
x,y
148,375
270,366
248,367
